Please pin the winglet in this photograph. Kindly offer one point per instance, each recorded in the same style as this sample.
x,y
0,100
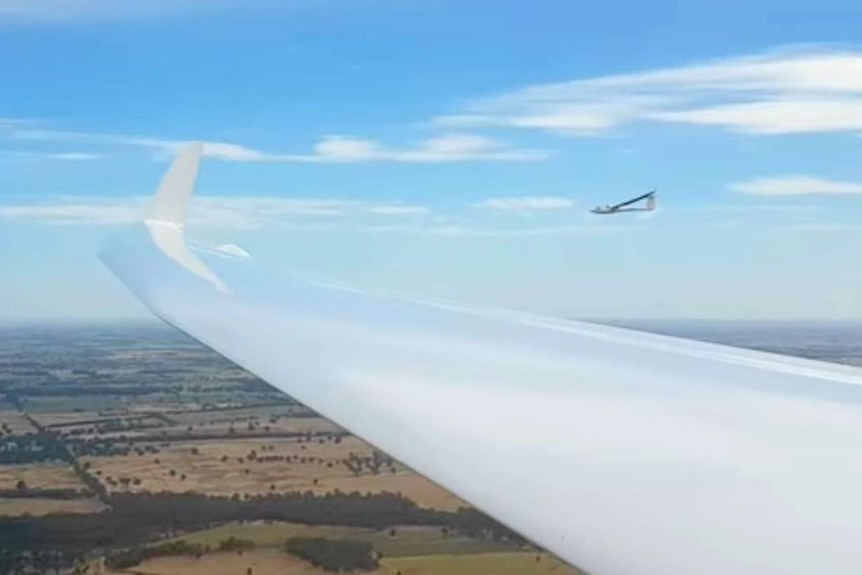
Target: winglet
x,y
651,202
177,187
167,217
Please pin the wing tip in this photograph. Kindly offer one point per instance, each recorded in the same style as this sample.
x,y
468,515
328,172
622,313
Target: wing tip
x,y
178,186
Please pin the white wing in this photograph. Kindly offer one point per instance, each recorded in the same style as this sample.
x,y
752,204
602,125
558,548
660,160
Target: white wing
x,y
622,452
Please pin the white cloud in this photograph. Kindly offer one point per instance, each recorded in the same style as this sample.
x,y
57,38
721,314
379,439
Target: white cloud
x,y
779,92
526,204
448,148
796,186
331,149
776,116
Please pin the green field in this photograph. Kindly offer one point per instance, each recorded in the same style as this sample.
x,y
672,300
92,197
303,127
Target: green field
x,y
407,541
274,562
510,563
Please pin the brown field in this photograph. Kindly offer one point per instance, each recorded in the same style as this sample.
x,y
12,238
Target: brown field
x,y
206,472
16,422
40,476
40,507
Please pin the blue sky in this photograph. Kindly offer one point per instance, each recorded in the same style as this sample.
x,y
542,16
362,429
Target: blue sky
x,y
447,148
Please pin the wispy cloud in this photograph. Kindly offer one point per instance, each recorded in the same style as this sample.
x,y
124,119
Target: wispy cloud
x,y
744,208
816,228
463,231
88,10
217,211
19,156
399,210
72,212
800,90
284,214
457,147
794,185
526,204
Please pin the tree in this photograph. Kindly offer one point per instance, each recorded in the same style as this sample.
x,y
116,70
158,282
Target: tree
x,y
21,485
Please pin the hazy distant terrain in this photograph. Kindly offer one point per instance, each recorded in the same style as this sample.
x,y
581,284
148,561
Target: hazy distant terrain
x,y
837,342
133,448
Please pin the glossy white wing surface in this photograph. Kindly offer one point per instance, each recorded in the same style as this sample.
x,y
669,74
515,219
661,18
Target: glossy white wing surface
x,y
625,453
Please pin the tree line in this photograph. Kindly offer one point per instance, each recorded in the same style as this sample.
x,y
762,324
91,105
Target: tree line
x,y
134,519
334,555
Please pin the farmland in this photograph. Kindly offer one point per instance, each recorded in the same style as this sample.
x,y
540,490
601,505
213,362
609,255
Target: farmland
x,y
118,440
121,438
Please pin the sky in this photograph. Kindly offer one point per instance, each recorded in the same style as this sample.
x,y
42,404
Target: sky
x,y
446,148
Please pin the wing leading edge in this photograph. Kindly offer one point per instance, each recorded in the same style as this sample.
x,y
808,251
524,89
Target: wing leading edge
x,y
634,200
622,452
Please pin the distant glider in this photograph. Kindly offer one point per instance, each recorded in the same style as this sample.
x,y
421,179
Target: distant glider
x,y
623,207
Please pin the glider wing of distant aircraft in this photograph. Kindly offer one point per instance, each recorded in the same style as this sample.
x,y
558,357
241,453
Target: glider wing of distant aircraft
x,y
623,206
624,453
